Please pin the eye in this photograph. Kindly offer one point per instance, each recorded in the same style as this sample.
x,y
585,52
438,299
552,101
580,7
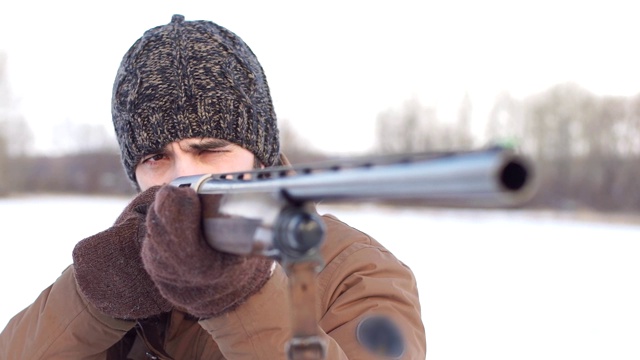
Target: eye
x,y
212,153
215,150
152,158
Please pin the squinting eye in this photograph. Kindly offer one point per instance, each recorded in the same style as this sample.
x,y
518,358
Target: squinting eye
x,y
152,158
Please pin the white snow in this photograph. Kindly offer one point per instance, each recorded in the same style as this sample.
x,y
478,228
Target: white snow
x,y
493,284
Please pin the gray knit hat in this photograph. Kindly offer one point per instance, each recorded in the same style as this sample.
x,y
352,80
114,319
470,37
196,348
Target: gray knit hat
x,y
191,79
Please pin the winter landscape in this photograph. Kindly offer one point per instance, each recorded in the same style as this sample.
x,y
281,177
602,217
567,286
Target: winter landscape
x,y
493,284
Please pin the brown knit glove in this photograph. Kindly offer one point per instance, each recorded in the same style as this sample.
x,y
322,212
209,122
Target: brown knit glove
x,y
188,272
109,270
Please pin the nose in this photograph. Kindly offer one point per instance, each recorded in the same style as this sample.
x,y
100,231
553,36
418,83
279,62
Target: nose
x,y
185,165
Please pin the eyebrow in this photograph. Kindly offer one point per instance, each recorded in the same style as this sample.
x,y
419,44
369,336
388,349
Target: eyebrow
x,y
208,144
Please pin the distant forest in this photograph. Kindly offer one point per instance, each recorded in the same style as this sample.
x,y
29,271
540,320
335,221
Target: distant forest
x,y
91,171
585,147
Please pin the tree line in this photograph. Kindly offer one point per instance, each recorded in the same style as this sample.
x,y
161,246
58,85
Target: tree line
x,y
585,147
92,168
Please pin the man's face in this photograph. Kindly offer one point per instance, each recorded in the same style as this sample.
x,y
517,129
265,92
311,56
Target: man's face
x,y
192,156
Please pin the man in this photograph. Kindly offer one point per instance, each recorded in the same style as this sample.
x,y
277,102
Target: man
x,y
191,98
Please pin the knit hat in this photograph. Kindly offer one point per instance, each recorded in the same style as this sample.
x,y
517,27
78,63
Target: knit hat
x,y
191,79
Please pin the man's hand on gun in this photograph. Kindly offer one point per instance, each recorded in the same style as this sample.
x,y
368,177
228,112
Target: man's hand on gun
x,y
189,273
109,270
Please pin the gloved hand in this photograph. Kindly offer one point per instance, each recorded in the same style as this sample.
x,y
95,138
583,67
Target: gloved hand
x,y
109,270
188,272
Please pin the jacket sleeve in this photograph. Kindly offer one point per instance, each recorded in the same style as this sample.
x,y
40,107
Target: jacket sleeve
x,y
60,324
361,280
365,285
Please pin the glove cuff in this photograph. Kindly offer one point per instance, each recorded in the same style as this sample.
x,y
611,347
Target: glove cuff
x,y
110,275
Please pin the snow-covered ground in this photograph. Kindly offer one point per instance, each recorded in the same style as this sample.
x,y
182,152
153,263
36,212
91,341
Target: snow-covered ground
x,y
493,285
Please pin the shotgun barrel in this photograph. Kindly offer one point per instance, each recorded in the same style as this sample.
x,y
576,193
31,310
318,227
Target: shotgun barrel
x,y
495,177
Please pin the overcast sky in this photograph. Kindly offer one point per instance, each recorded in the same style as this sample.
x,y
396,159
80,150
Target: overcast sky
x,y
333,65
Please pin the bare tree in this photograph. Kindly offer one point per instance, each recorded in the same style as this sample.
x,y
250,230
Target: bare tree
x,y
505,123
463,137
613,153
295,148
5,101
75,138
19,136
554,129
415,127
586,147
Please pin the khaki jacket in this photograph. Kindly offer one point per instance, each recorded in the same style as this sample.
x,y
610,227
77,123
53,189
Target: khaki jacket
x,y
360,279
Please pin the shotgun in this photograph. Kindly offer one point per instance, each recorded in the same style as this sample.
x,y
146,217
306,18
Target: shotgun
x,y
269,212
262,204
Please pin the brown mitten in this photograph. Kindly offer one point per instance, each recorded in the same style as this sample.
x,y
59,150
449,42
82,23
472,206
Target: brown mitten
x,y
109,270
188,272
